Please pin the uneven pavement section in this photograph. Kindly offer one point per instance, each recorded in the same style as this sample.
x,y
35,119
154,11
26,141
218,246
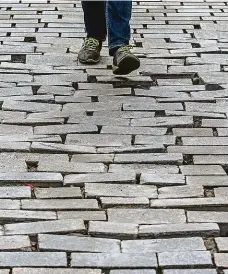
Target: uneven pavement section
x,y
114,175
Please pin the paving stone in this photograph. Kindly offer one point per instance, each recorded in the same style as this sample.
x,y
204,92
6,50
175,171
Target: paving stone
x,y
163,140
133,130
29,106
70,167
215,181
149,158
113,230
189,271
108,202
65,129
15,192
30,177
81,179
139,168
202,170
202,150
4,271
222,244
221,260
9,216
221,192
52,193
59,226
98,140
181,259
56,204
120,190
84,215
163,121
179,230
137,271
10,243
180,192
146,216
204,141
113,260
33,259
43,147
78,244
55,271
160,179
93,158
206,217
162,245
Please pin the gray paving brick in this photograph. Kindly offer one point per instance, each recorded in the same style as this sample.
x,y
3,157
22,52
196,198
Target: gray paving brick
x,y
221,260
181,259
162,179
202,170
146,216
113,230
120,190
137,271
52,193
54,271
108,202
25,259
58,226
10,243
114,260
81,179
222,244
180,192
189,271
207,217
78,244
185,230
57,204
84,215
15,192
162,245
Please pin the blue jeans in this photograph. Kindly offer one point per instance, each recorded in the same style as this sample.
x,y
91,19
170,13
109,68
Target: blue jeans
x,y
114,15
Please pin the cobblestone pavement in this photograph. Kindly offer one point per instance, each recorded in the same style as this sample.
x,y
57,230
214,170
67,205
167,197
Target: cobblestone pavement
x,y
114,175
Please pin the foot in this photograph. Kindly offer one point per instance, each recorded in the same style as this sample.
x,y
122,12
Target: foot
x,y
124,62
90,51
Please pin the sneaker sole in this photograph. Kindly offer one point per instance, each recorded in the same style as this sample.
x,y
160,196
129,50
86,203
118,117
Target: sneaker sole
x,y
126,65
89,61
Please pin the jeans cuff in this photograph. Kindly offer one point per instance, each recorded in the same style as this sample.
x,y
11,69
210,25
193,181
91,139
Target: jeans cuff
x,y
115,47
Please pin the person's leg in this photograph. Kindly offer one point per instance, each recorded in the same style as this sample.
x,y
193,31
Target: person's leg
x,y
95,24
118,20
95,19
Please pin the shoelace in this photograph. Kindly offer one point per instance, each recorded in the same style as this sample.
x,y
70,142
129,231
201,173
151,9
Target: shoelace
x,y
90,44
125,49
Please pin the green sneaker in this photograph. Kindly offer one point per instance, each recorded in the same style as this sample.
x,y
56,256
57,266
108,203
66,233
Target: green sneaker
x,y
90,51
124,62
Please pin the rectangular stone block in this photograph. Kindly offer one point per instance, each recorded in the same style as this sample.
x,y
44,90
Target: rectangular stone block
x,y
133,130
221,260
197,132
160,179
10,243
58,226
180,192
113,230
54,271
108,202
9,204
20,192
81,179
207,217
136,271
190,271
120,190
171,158
202,170
113,260
179,230
185,259
213,181
59,204
78,244
92,158
222,244
162,245
33,259
8,216
58,192
147,216
84,215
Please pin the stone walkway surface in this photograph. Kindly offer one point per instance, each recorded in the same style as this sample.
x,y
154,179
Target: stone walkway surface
x,y
114,175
